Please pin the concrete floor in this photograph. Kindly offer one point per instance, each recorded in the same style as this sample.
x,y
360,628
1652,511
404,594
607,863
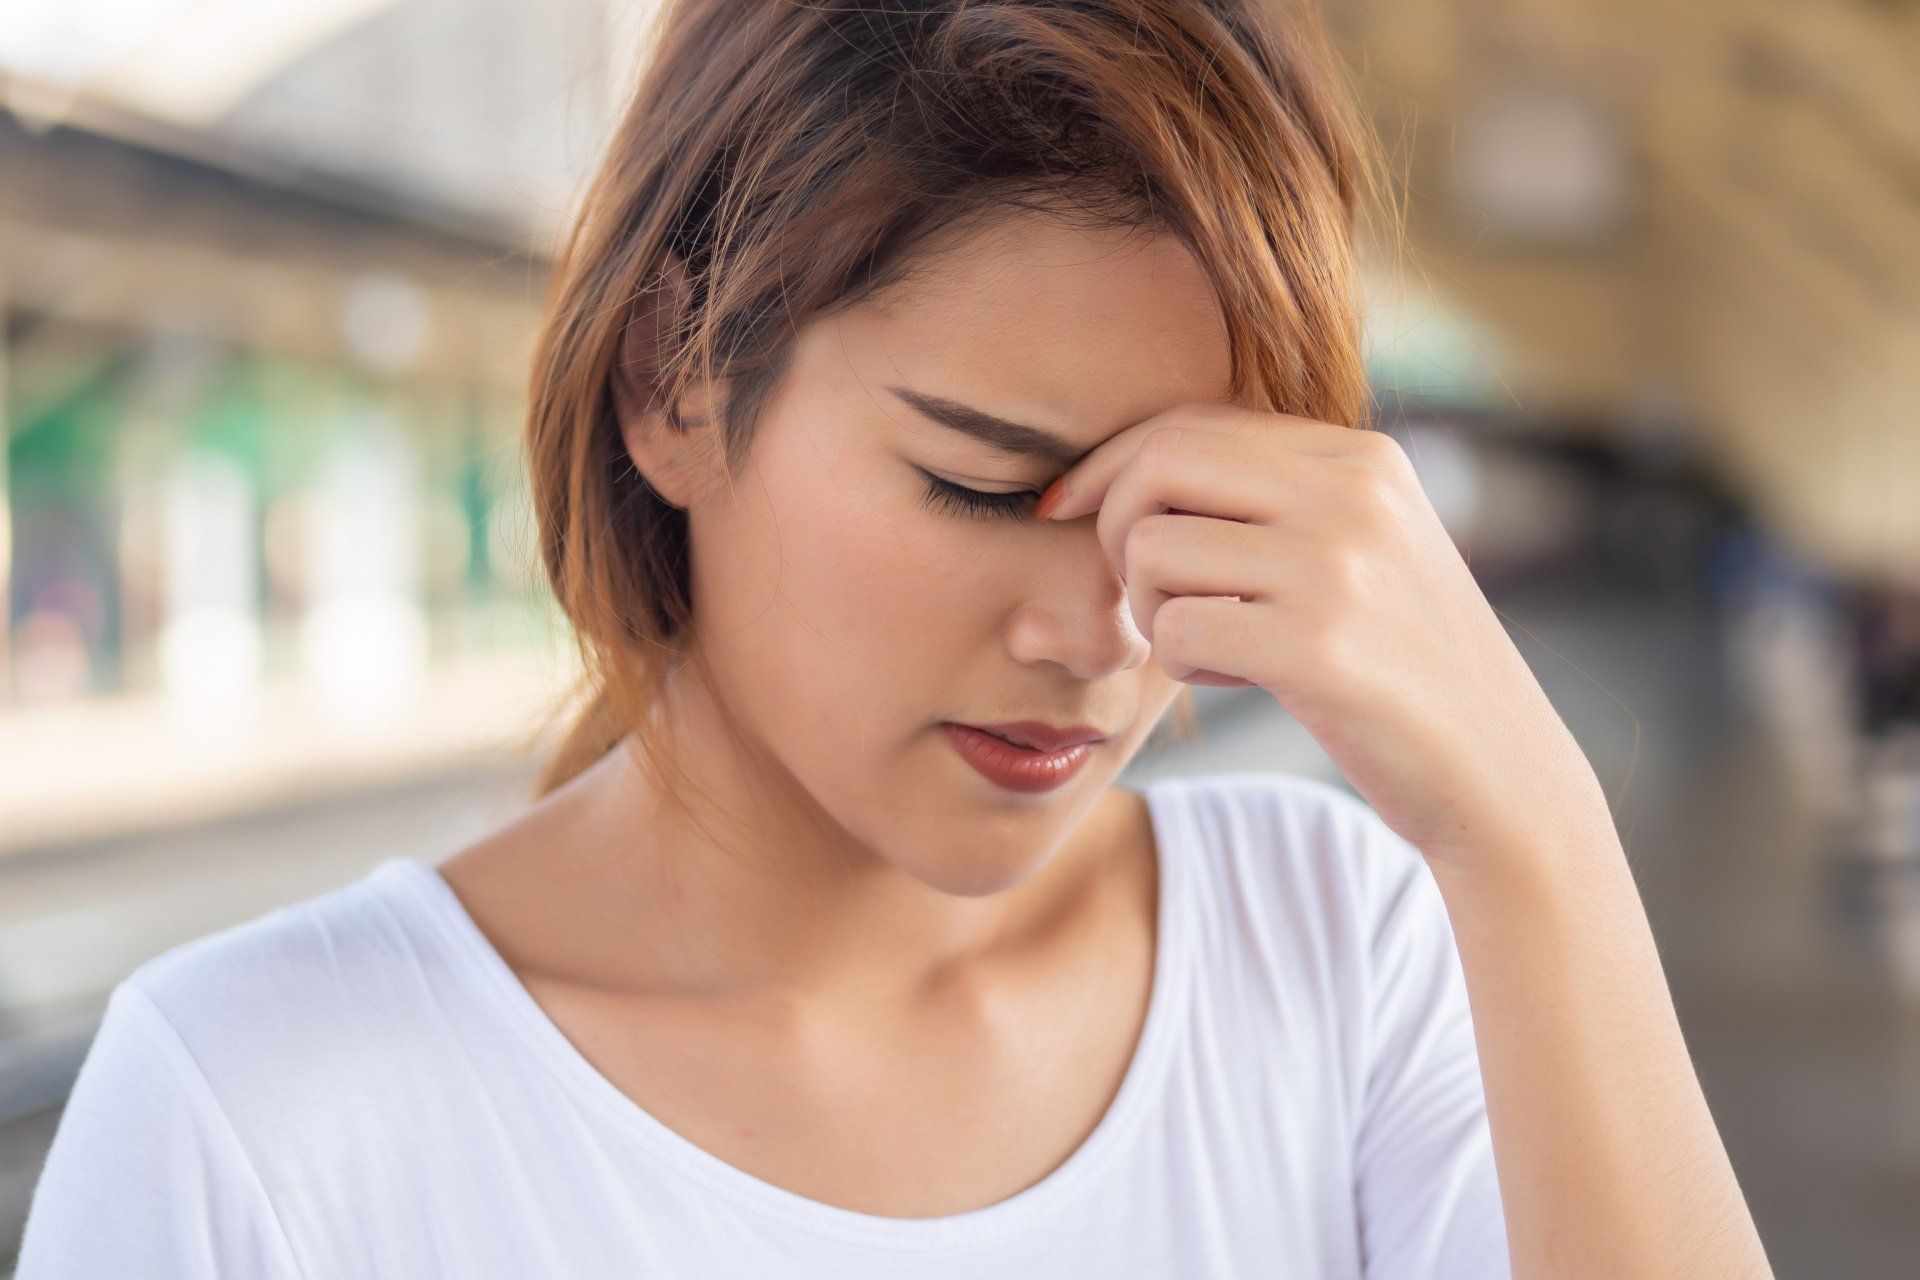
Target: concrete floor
x,y
1776,946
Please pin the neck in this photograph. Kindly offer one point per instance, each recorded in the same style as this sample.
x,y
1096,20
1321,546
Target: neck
x,y
744,884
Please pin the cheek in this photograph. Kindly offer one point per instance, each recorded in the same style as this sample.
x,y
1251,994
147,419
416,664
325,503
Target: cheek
x,y
835,603
901,597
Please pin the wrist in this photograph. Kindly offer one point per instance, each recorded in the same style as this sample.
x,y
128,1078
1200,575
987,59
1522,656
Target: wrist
x,y
1528,855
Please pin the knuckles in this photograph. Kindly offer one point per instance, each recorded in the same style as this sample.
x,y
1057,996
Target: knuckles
x,y
1372,501
1343,571
1378,447
1165,444
1145,540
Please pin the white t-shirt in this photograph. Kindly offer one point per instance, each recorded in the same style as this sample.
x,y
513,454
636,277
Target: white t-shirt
x,y
356,1086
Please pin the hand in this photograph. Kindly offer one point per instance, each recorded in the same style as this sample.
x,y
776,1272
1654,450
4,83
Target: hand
x,y
1265,549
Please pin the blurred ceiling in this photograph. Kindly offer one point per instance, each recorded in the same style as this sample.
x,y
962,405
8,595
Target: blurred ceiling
x,y
185,61
1697,217
494,106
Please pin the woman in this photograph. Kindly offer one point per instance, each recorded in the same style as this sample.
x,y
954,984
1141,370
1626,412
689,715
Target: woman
x,y
828,948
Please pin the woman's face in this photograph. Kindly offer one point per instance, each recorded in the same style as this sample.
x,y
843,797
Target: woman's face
x,y
846,614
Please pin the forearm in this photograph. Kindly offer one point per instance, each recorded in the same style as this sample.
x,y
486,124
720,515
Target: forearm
x,y
1608,1159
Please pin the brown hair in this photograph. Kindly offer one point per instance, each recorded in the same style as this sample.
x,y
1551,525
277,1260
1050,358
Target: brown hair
x,y
779,159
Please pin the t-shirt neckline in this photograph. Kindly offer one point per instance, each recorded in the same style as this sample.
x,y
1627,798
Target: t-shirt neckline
x,y
1170,821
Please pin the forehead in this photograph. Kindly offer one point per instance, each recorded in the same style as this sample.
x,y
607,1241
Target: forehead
x,y
1079,331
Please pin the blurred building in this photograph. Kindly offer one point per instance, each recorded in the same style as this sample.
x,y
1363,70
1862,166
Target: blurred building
x,y
1684,243
267,303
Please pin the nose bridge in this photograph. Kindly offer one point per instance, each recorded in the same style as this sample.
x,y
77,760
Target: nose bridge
x,y
1073,611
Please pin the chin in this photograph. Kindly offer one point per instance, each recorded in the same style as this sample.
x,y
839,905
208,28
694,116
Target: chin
x,y
979,876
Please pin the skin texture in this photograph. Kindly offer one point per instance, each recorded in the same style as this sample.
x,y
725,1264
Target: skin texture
x,y
878,980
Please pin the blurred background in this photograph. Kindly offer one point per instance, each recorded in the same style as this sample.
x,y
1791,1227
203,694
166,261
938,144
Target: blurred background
x,y
268,279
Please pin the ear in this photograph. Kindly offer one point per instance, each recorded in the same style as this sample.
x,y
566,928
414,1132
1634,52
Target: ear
x,y
672,446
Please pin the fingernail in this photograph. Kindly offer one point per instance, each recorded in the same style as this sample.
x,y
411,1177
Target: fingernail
x,y
1049,499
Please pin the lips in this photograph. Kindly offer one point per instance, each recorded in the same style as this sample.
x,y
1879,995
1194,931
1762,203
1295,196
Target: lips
x,y
1037,735
1014,768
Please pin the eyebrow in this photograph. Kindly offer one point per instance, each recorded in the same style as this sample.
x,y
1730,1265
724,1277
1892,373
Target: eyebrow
x,y
1008,437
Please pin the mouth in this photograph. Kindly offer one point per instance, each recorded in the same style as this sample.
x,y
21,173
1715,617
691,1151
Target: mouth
x,y
1021,757
1034,735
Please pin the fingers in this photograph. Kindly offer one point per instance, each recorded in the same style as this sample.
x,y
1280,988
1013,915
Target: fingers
x,y
1224,477
1085,484
1209,641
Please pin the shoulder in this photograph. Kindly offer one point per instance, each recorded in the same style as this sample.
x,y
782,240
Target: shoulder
x,y
1290,871
1295,834
227,1083
1291,884
1271,798
291,1000
248,968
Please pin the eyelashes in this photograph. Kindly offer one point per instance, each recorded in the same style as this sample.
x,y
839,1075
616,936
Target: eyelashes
x,y
944,495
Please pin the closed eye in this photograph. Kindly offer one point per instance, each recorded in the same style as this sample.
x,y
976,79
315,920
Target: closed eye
x,y
945,495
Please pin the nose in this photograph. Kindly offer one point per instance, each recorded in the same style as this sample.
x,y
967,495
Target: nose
x,y
1074,613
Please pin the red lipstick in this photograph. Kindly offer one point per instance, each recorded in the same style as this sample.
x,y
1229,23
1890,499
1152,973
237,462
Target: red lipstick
x,y
1024,755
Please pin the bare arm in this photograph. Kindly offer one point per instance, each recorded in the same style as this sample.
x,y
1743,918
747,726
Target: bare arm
x,y
1303,557
1609,1161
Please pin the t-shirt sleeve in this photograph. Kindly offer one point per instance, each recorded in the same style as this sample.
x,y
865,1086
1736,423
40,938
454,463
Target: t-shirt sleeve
x,y
1428,1199
145,1177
